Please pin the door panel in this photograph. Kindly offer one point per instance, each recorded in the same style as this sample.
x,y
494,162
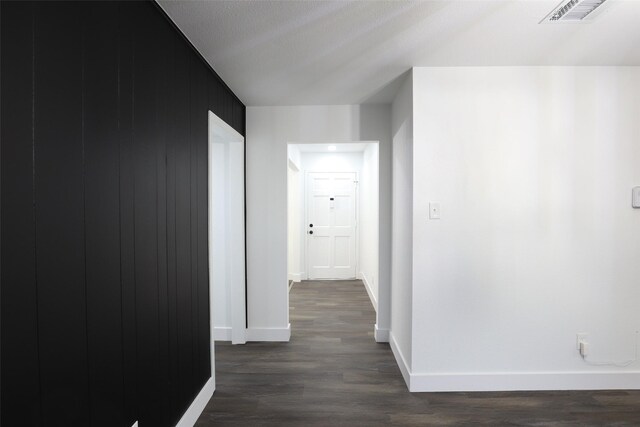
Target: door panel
x,y
320,207
320,250
331,229
343,212
342,252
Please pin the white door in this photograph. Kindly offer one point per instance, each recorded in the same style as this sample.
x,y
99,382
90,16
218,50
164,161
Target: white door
x,y
331,225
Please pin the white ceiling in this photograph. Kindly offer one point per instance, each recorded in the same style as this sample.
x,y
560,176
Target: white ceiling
x,y
350,52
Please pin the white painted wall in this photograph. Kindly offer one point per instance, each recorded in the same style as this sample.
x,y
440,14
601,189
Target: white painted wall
x,y
368,221
269,130
402,259
332,162
533,167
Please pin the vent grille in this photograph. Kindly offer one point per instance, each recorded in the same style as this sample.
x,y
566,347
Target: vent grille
x,y
573,10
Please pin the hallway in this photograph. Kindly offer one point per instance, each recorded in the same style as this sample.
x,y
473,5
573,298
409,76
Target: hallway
x,y
333,373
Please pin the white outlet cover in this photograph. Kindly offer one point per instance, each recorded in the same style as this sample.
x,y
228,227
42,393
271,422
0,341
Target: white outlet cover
x,y
636,197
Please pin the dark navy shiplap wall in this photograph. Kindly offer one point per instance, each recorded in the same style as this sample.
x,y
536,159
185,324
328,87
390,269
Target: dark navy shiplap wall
x,y
104,293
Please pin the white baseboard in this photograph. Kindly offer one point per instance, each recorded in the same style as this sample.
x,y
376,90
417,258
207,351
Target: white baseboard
x,y
513,381
254,334
269,334
381,335
400,360
521,381
222,333
197,406
296,277
367,286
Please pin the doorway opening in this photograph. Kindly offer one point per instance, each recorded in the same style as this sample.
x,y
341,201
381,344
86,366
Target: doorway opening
x,y
226,234
333,213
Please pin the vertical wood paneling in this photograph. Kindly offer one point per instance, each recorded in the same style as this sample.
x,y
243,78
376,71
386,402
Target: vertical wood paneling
x,y
201,195
217,100
183,227
20,369
238,116
126,92
194,134
60,214
146,216
102,214
162,84
105,299
173,132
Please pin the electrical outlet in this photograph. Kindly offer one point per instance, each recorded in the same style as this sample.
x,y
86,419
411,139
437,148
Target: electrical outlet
x,y
584,349
580,338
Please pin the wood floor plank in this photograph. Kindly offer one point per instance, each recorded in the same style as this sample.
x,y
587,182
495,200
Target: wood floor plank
x,y
333,373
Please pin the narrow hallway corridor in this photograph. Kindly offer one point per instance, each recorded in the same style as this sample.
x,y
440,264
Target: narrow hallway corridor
x,y
333,373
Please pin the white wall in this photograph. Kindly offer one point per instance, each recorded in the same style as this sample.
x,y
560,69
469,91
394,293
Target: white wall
x,y
368,221
332,162
269,130
533,167
402,265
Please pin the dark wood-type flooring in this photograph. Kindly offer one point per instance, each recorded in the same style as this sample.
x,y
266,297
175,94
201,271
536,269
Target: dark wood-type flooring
x,y
332,373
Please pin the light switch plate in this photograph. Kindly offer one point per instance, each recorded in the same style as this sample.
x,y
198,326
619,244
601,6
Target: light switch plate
x,y
636,197
434,210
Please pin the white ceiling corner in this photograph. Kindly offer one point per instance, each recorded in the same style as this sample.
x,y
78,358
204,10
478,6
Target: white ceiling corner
x,y
350,52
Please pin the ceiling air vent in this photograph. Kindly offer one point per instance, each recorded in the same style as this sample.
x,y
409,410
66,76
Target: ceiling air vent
x,y
573,10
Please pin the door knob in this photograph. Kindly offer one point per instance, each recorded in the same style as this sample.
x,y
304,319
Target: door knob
x,y
311,225
311,232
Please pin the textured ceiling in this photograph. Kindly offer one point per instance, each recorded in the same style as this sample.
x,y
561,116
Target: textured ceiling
x,y
349,52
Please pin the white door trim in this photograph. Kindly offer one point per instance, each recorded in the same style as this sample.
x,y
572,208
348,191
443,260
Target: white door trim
x,y
294,222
